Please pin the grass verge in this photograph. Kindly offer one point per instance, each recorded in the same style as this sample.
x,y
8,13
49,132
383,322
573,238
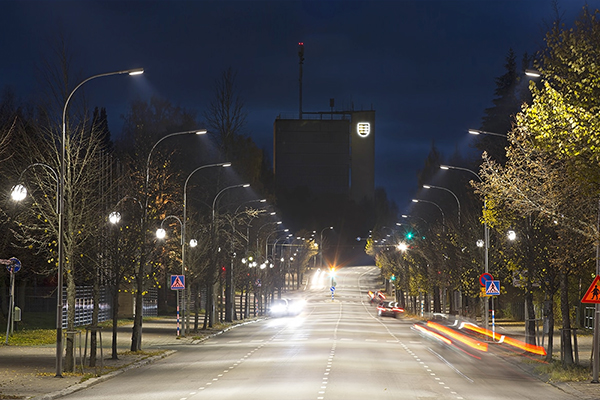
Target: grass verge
x,y
556,372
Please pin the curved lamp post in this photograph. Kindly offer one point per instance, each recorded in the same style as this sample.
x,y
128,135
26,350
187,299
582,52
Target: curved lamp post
x,y
249,201
449,191
61,206
19,191
413,216
267,241
183,232
244,185
262,226
136,337
229,300
486,238
435,204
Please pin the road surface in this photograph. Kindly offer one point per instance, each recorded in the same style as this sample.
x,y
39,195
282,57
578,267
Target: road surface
x,y
334,349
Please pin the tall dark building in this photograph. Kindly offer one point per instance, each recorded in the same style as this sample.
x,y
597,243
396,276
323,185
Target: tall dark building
x,y
334,154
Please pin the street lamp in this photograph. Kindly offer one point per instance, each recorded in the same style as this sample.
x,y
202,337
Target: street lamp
x,y
229,299
511,235
479,132
435,204
244,185
249,201
61,206
533,73
486,237
447,190
19,191
262,226
267,241
136,338
412,216
183,231
193,132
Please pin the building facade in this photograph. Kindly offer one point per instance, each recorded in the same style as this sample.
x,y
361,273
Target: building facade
x,y
332,153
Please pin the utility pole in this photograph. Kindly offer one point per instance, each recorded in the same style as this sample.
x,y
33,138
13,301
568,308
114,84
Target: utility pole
x,y
300,62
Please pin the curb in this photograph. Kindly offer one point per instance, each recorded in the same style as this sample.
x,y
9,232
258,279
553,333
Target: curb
x,y
102,378
93,381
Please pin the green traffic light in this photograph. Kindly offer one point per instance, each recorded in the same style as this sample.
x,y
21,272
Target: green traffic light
x,y
409,235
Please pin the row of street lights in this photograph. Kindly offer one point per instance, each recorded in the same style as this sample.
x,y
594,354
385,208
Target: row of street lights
x,y
19,192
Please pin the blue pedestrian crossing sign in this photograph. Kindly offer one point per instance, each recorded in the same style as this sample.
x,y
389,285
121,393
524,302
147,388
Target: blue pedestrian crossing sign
x,y
492,288
177,282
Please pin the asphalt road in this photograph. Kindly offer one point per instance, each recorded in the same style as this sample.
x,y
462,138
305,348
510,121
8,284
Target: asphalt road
x,y
336,349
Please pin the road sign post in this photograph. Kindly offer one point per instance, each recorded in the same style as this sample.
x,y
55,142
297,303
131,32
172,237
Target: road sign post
x,y
592,295
178,283
13,265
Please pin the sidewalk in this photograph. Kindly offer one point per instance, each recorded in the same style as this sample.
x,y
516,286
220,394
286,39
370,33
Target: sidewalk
x,y
28,372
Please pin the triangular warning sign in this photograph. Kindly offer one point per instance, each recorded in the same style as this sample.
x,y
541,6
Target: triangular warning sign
x,y
593,293
177,282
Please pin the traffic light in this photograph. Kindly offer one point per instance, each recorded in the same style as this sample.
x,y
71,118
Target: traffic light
x,y
393,278
409,235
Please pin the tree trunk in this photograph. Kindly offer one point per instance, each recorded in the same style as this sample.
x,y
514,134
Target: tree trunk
x,y
229,294
207,306
69,356
115,319
196,306
437,305
451,300
550,319
567,345
93,332
136,335
529,317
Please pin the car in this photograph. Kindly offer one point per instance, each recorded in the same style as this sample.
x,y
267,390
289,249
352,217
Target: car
x,y
376,297
389,309
278,308
295,306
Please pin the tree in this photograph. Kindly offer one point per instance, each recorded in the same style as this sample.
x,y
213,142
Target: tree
x,y
551,173
156,184
226,117
510,93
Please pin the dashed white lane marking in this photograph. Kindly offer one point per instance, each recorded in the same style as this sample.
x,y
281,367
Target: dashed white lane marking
x,y
325,380
261,344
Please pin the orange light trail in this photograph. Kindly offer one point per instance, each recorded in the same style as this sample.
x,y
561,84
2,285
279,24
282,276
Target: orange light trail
x,y
432,334
458,336
506,339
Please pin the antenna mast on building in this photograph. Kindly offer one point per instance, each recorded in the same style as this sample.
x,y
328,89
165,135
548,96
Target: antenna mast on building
x,y
301,61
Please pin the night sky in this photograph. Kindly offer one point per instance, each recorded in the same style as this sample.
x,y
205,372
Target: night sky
x,y
426,67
